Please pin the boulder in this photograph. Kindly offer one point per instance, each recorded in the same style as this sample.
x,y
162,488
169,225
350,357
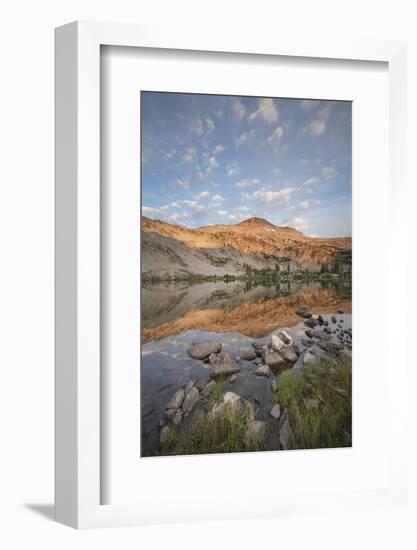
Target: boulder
x,y
310,333
176,400
275,412
202,350
276,343
334,320
190,401
223,365
263,370
231,403
177,418
311,322
255,433
273,358
248,354
288,353
307,343
302,312
340,311
190,385
285,337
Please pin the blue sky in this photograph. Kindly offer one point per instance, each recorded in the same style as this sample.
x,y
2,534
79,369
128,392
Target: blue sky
x,y
221,159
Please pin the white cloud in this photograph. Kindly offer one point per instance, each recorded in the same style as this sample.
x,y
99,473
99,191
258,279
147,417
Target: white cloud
x,y
190,155
210,124
319,125
196,207
217,149
168,155
195,125
298,223
212,163
266,112
232,169
185,184
196,175
328,172
217,200
222,213
237,107
176,204
304,205
243,184
312,181
245,137
242,209
153,211
275,140
279,198
202,195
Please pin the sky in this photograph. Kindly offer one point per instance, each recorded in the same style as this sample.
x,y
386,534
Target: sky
x,y
209,159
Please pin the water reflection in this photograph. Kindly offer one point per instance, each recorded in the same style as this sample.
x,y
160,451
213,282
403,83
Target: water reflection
x,y
253,308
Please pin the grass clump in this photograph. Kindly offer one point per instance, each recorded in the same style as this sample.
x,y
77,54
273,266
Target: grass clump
x,y
208,434
319,404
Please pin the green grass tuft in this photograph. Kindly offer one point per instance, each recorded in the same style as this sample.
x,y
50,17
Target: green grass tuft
x,y
320,414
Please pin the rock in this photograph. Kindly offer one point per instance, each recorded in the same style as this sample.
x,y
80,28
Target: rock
x,y
340,311
276,343
311,322
285,337
332,371
223,365
334,320
177,418
326,323
164,434
302,311
232,403
289,354
208,389
190,385
255,432
273,358
342,392
263,370
176,401
202,350
275,412
170,413
309,358
327,330
330,347
190,401
274,385
284,430
309,333
320,320
248,354
307,343
258,361
233,378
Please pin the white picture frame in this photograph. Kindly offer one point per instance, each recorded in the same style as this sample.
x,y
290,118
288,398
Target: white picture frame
x,y
77,210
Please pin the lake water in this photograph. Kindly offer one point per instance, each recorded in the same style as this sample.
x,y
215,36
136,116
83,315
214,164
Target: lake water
x,y
176,315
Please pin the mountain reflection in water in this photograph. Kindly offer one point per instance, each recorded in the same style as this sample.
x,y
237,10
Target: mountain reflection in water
x,y
249,308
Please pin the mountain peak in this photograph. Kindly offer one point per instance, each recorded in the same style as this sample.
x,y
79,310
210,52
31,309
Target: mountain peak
x,y
255,221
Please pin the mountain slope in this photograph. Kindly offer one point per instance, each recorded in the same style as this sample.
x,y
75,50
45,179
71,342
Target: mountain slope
x,y
254,236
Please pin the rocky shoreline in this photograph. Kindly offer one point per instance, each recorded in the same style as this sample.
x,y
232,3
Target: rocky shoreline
x,y
327,336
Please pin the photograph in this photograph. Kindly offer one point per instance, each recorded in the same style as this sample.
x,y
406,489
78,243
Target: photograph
x,y
246,273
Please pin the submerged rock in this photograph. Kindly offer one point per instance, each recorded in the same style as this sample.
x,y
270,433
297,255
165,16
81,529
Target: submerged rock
x,y
233,378
263,370
274,385
231,403
202,350
248,354
223,365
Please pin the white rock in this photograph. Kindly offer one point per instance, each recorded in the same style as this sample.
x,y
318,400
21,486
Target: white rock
x,y
276,343
275,412
231,403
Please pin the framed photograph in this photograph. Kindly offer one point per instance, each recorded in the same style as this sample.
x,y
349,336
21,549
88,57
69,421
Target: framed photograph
x,y
221,275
